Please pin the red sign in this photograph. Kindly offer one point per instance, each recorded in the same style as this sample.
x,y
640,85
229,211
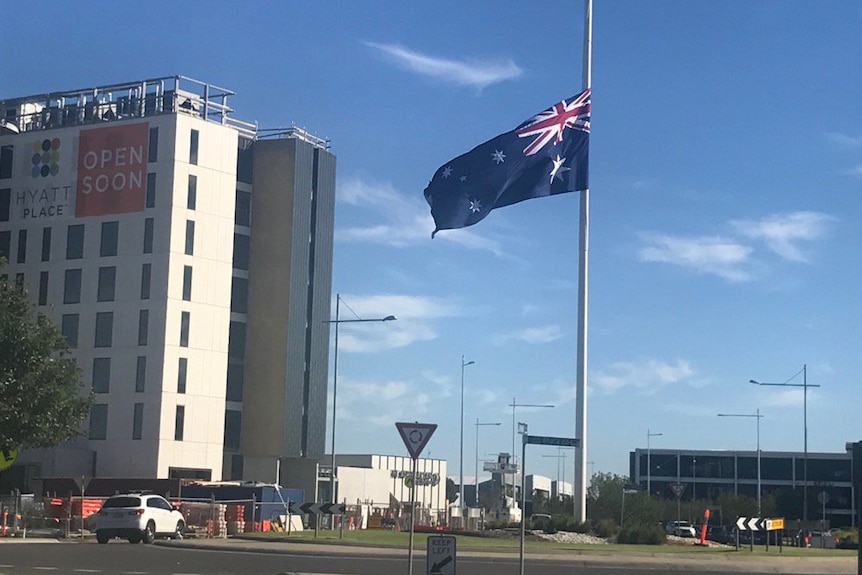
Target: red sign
x,y
112,170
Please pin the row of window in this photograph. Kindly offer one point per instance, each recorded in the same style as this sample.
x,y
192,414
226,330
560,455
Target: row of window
x,y
102,374
104,328
99,421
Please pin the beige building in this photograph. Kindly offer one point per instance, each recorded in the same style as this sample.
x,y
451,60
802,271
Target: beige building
x,y
187,257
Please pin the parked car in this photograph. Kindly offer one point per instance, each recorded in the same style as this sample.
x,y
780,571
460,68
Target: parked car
x,y
680,528
720,534
138,517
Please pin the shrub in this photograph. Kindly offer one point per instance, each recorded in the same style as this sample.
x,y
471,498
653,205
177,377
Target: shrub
x,y
640,534
606,528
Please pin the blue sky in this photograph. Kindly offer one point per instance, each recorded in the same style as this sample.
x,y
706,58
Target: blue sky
x,y
726,166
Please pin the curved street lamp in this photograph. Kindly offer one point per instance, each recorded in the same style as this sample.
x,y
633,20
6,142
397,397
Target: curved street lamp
x,y
804,385
461,462
758,416
648,466
337,321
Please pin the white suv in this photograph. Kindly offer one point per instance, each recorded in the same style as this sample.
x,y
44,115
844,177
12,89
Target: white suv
x,y
138,517
680,529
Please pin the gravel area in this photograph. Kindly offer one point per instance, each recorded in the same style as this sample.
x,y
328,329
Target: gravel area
x,y
567,537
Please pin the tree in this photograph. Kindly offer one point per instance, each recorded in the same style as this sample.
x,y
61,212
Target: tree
x,y
41,398
451,489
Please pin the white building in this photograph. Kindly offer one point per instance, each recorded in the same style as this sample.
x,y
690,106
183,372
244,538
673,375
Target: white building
x,y
188,259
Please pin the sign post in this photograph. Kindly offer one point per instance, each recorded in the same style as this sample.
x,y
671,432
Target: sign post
x,y
415,437
440,555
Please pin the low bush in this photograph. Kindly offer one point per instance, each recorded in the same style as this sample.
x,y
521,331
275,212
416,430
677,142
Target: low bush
x,y
640,534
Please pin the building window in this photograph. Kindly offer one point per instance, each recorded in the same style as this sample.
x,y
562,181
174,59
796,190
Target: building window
x,y
190,237
153,148
107,284
232,428
22,246
236,341
72,286
5,244
242,209
240,251
185,320
19,281
187,283
69,327
104,329
179,422
141,374
75,242
239,295
234,381
46,244
143,326
192,198
101,375
6,162
99,421
110,231
193,147
146,277
5,204
148,236
43,288
182,374
138,421
151,190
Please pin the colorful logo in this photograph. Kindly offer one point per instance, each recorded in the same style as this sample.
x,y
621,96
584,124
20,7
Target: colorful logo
x,y
46,155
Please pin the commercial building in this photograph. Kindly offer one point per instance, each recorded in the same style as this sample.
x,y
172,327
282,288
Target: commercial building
x,y
705,474
187,256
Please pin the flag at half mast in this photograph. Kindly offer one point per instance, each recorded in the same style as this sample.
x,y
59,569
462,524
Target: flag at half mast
x,y
544,156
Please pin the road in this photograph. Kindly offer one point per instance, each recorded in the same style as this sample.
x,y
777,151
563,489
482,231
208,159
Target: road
x,y
120,558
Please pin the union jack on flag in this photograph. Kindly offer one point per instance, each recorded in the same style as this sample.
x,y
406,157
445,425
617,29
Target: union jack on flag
x,y
502,171
550,124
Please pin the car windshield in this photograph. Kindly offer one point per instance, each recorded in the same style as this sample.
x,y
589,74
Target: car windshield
x,y
123,502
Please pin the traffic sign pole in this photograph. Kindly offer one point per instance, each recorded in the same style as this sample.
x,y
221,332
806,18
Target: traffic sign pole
x,y
412,521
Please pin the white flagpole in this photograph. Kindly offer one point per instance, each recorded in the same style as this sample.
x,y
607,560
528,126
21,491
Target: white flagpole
x,y
580,495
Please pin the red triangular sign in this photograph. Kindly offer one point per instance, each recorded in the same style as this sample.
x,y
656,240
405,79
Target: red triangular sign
x,y
416,436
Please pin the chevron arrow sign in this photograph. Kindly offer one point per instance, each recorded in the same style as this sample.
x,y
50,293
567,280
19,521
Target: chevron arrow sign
x,y
317,508
750,523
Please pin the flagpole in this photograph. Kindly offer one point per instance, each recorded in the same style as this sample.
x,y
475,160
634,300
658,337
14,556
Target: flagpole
x,y
579,499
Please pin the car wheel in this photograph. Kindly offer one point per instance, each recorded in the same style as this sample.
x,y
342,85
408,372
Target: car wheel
x,y
134,539
102,537
149,533
180,530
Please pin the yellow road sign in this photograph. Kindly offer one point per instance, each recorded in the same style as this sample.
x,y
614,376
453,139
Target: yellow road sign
x,y
775,524
7,458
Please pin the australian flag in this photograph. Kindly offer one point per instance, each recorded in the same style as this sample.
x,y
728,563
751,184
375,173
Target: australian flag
x,y
546,155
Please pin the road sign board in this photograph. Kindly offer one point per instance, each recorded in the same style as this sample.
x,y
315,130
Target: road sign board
x,y
751,523
317,508
7,458
558,441
677,489
440,556
415,436
775,524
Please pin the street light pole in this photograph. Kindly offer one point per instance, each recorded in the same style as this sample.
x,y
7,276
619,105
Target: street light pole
x,y
478,423
648,466
461,464
337,321
513,405
804,385
758,416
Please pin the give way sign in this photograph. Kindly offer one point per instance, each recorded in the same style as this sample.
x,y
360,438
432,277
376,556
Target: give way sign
x,y
415,436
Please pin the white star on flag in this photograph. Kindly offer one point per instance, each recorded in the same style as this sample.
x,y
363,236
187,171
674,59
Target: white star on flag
x,y
498,156
475,206
556,171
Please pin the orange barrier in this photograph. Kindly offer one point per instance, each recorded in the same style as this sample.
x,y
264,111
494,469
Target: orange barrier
x,y
703,527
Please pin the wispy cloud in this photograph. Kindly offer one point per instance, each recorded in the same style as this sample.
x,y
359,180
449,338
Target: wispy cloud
x,y
380,403
647,376
402,221
857,171
844,140
535,335
723,257
475,73
782,232
416,315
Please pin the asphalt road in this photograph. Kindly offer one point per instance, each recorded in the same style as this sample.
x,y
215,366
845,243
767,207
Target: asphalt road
x,y
121,558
